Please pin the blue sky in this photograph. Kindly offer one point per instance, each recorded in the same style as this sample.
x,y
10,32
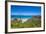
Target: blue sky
x,y
25,10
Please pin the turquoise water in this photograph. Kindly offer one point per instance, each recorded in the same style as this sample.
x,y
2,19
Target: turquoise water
x,y
20,16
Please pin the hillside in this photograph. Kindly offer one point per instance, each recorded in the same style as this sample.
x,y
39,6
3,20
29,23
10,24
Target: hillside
x,y
34,22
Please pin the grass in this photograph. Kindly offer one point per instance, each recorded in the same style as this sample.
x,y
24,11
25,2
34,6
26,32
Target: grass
x,y
32,24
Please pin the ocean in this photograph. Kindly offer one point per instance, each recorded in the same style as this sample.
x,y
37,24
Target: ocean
x,y
21,16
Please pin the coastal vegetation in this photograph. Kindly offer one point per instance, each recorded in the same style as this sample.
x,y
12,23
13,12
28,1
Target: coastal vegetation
x,y
30,23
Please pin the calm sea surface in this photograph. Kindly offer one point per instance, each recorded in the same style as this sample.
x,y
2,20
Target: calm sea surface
x,y
20,16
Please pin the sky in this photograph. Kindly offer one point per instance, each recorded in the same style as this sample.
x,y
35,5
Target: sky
x,y
25,10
